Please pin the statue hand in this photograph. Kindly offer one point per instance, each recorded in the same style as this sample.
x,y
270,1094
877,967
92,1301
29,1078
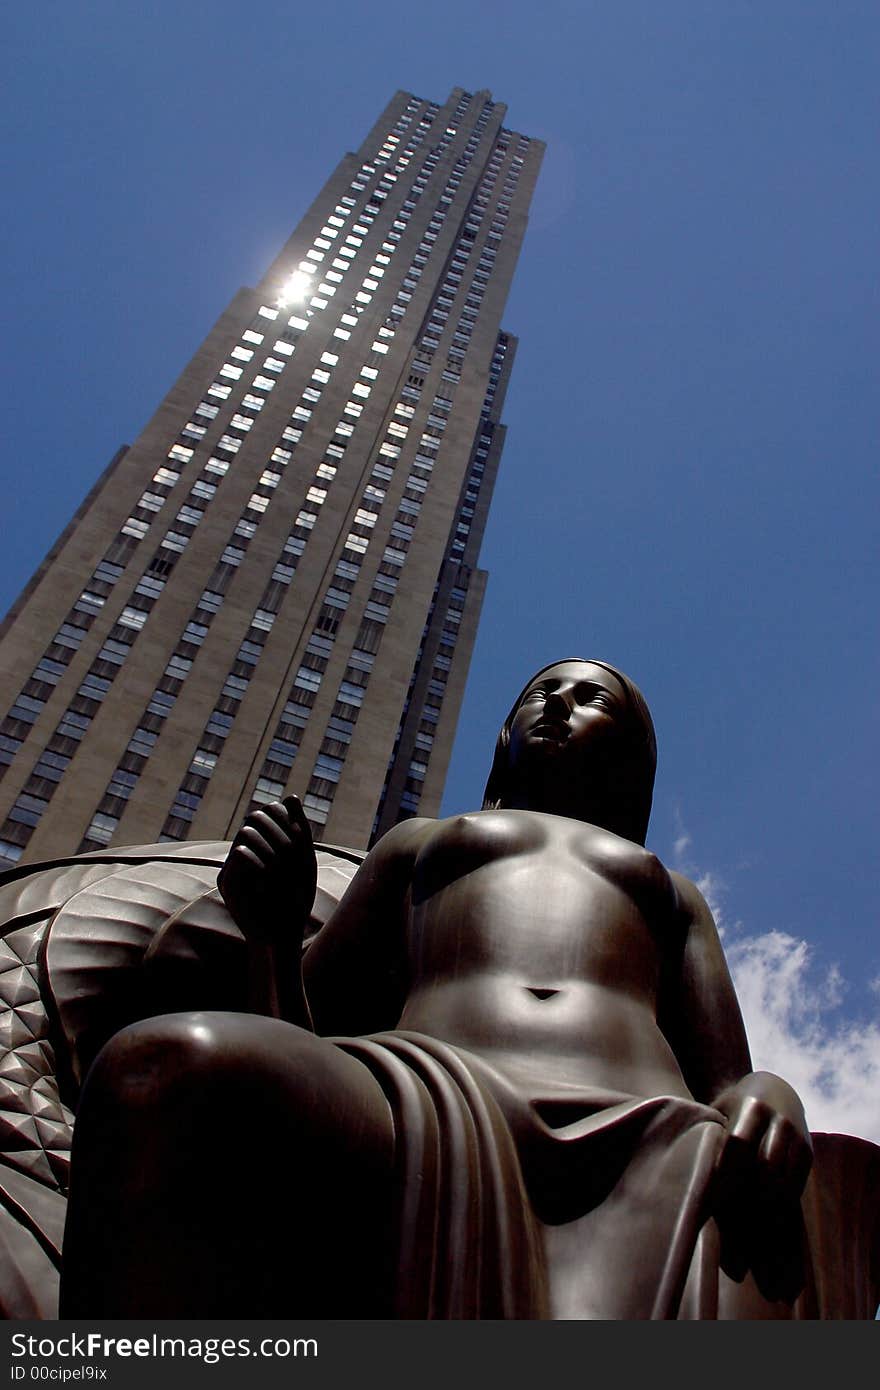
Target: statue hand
x,y
767,1150
270,873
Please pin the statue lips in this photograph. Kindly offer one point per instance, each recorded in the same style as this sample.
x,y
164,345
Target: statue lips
x,y
551,731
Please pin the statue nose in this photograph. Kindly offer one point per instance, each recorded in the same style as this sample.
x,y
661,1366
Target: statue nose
x,y
557,706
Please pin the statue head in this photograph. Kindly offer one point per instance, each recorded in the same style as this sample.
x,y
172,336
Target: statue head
x,y
579,741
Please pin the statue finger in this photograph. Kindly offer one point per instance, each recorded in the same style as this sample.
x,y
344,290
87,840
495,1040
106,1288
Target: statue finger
x,y
735,1168
786,1156
241,863
799,1161
297,814
243,854
276,833
782,1170
737,1164
252,847
749,1123
776,1145
246,855
284,823
290,816
275,811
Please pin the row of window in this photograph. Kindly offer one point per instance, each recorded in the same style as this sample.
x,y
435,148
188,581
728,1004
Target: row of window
x,y
186,802
283,748
328,766
321,787
39,688
430,712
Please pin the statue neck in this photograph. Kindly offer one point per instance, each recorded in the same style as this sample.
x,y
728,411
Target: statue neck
x,y
584,808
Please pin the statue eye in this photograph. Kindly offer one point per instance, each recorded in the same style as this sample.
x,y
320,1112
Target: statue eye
x,y
597,695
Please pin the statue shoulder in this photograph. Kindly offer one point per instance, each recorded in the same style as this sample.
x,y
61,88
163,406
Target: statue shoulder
x,y
387,870
693,908
401,843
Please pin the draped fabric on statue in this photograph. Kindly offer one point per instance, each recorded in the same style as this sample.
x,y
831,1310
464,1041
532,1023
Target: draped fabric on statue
x,y
487,1184
468,1244
501,1190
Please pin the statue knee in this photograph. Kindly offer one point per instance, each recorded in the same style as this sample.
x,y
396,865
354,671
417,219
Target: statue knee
x,y
151,1062
180,1077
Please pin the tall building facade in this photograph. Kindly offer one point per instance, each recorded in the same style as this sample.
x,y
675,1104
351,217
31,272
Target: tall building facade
x,y
275,588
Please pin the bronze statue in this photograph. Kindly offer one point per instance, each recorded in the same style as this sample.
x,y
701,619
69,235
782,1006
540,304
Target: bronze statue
x,y
511,1079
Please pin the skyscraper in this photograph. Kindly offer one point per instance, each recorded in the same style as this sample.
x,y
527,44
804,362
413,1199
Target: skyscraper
x,y
275,587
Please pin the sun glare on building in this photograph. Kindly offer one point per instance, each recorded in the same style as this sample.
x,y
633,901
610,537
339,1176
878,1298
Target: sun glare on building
x,y
295,289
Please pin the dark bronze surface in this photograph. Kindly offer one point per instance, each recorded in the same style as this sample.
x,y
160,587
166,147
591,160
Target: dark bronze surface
x,y
511,1078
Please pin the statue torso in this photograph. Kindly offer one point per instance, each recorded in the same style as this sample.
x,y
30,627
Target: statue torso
x,y
539,943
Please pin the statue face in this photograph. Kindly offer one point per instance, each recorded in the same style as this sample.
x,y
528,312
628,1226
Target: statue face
x,y
570,715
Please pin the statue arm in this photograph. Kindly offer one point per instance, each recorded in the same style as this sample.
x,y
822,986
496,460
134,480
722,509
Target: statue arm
x,y
268,884
700,1014
767,1137
355,967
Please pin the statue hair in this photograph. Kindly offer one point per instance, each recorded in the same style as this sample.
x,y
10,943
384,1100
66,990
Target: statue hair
x,y
643,744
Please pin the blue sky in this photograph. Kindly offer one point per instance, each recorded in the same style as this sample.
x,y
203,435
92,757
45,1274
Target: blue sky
x,y
688,485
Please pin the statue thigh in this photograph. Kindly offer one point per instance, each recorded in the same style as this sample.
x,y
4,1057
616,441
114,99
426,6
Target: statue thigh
x,y
229,1165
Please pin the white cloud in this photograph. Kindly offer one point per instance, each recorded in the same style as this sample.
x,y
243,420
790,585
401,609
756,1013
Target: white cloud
x,y
793,1018
713,889
682,845
794,1028
710,885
